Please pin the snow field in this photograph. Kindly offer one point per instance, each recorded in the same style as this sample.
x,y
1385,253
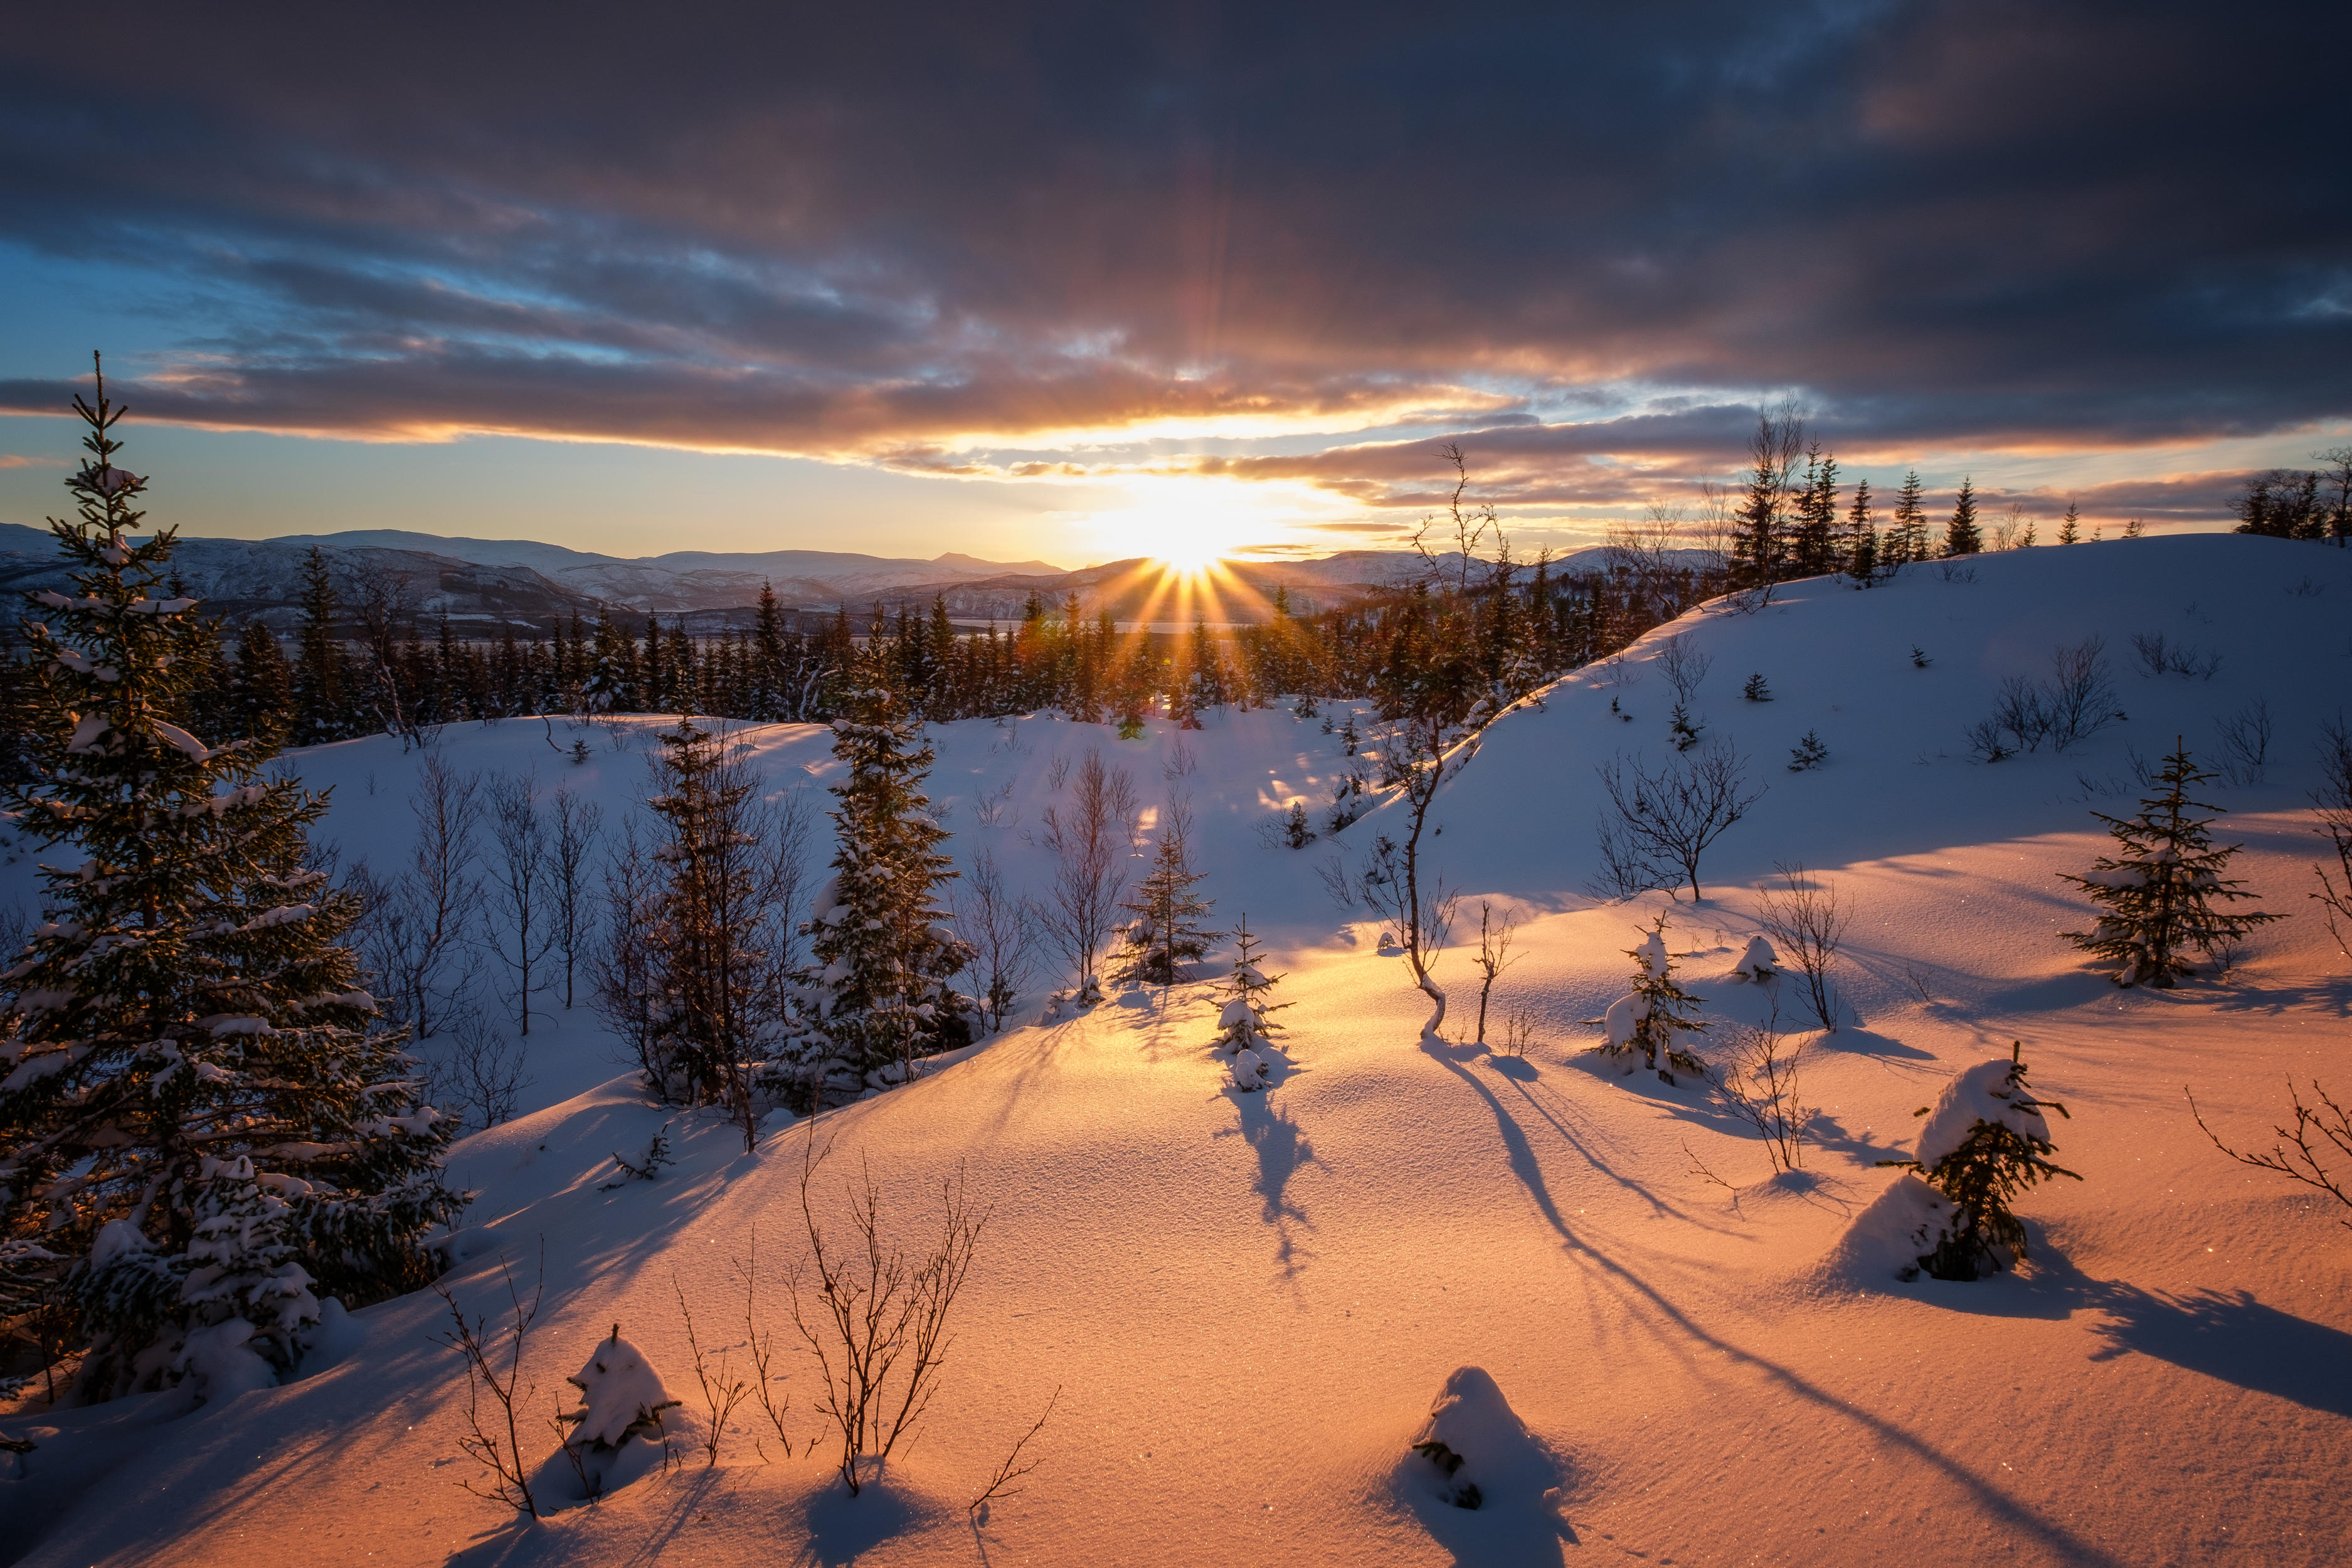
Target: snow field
x,y
1252,1301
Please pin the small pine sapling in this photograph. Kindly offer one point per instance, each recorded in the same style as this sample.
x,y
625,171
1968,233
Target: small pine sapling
x,y
2158,893
1919,659
1807,754
657,1159
1297,831
1244,1030
1646,1020
1685,733
1756,689
1985,1142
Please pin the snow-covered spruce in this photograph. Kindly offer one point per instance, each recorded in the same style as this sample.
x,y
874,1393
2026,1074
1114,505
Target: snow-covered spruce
x,y
1245,1031
617,1433
2159,892
1984,1141
875,999
1645,1020
1758,962
205,1129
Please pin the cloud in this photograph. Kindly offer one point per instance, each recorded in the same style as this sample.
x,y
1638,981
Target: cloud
x,y
1587,244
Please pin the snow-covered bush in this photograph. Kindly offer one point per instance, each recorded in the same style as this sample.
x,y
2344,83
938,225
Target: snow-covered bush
x,y
616,1433
1984,1141
1245,1031
1758,962
2159,893
1646,1021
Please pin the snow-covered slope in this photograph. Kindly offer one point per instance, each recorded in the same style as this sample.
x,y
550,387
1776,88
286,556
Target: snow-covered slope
x,y
1250,1302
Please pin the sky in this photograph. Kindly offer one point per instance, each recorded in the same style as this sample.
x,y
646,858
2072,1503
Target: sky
x,y
1073,282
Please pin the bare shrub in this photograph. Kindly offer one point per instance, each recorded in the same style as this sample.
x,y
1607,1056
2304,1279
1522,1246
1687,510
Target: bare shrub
x,y
760,1347
1001,928
1518,1033
1807,925
416,939
2158,656
571,906
1000,1485
2321,1137
1684,665
1494,955
1988,743
1671,816
989,807
519,937
2334,799
1091,838
2246,743
2020,711
1621,869
480,1073
722,1391
493,1435
621,978
1057,773
1758,1082
875,1319
2080,702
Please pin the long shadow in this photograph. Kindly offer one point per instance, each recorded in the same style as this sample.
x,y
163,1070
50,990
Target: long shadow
x,y
1519,1080
1281,1148
2018,1515
2228,1336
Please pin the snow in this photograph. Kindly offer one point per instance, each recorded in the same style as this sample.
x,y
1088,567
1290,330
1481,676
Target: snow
x,y
1758,962
1248,1298
1982,1093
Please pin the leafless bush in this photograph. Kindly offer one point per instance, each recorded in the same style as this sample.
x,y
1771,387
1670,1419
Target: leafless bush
x,y
722,1391
2246,743
493,1435
2079,700
1622,870
2334,799
479,1073
519,933
989,807
1057,773
1494,955
759,1346
1000,1485
1092,839
1670,818
621,978
1807,924
415,938
1182,763
1988,741
578,826
2156,656
1758,1082
2020,711
2322,1136
1001,928
1518,1033
1420,910
1684,665
877,1319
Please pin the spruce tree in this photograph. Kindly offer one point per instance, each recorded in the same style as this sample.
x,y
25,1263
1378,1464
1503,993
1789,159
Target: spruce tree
x,y
2070,527
1245,1030
1647,1019
1907,539
1167,933
204,1129
261,688
2158,893
1962,536
1984,1141
1862,537
875,997
321,675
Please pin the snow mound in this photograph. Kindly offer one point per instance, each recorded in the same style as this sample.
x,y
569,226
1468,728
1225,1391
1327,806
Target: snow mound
x,y
1888,1238
1480,1483
1758,962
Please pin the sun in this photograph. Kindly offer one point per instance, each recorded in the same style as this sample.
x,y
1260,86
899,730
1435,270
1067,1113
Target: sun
x,y
1185,540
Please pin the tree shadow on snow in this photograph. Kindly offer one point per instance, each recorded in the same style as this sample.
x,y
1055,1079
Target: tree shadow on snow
x,y
842,1528
1870,1043
2228,1336
1275,1137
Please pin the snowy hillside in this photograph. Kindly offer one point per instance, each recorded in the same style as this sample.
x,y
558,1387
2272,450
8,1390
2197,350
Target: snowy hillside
x,y
1590,1287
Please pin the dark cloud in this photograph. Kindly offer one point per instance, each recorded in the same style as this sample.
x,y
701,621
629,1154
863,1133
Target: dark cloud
x,y
883,230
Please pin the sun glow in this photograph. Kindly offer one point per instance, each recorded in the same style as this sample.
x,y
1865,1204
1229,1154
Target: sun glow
x,y
1183,535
